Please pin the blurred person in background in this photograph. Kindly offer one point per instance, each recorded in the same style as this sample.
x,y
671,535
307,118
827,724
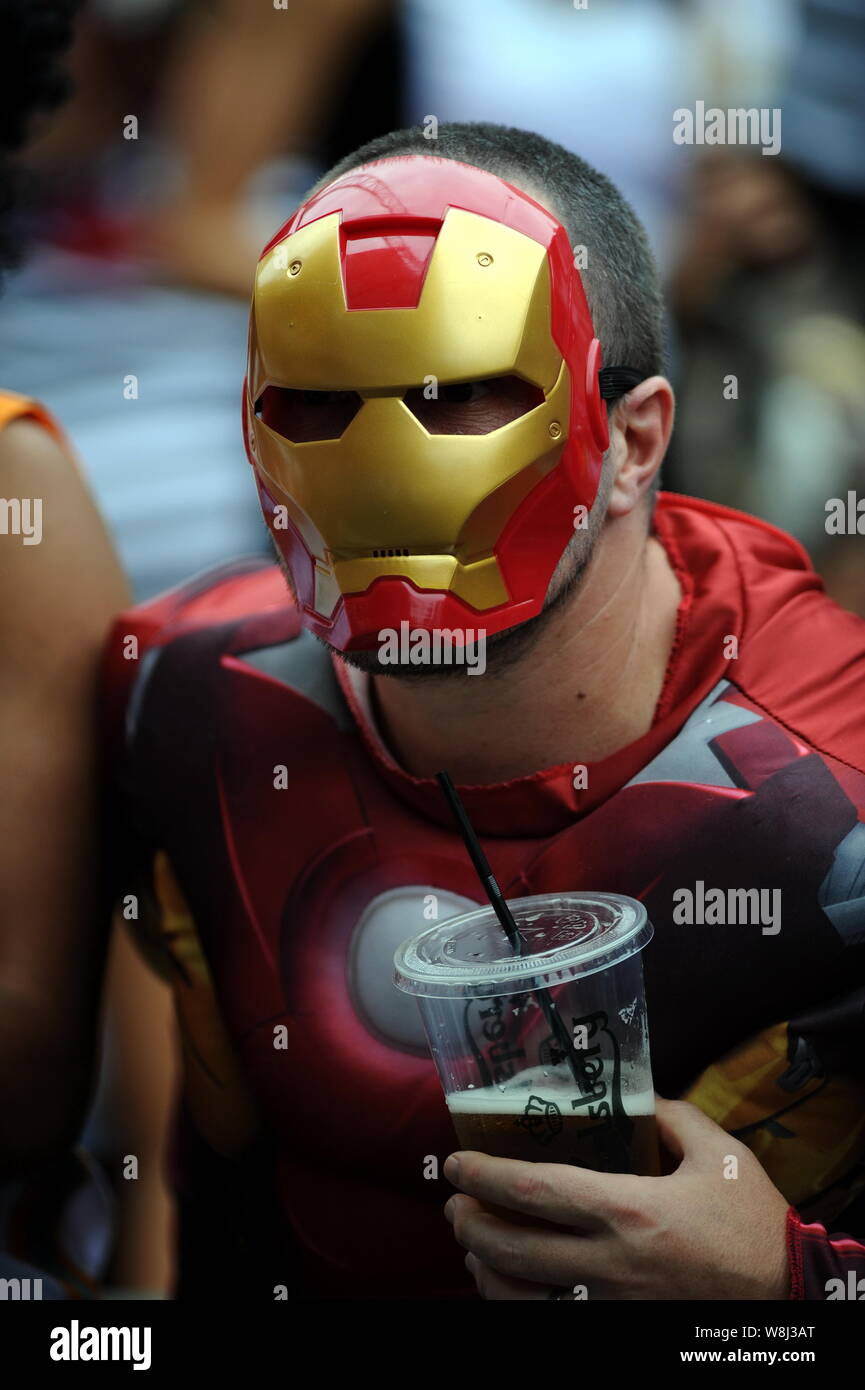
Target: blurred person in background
x,y
60,586
194,200
78,1219
770,289
604,79
150,224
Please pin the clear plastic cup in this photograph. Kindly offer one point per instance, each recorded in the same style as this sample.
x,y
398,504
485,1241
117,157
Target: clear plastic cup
x,y
543,1055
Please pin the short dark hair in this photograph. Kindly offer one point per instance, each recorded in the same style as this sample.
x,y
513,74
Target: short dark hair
x,y
620,278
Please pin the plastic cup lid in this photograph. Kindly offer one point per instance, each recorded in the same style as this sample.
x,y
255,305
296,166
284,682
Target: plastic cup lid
x,y
564,936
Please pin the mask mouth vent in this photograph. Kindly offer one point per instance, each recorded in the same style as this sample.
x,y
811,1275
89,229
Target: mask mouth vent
x,y
389,554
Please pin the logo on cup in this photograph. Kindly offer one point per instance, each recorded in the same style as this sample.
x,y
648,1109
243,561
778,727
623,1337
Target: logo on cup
x,y
599,1071
542,1118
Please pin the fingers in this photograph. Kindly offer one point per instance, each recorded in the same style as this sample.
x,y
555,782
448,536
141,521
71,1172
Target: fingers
x,y
689,1134
492,1285
554,1192
521,1253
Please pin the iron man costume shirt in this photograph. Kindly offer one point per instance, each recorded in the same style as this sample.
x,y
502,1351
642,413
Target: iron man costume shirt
x,y
290,854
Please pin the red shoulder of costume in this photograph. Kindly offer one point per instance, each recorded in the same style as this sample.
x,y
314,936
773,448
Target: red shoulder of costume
x,y
801,657
242,589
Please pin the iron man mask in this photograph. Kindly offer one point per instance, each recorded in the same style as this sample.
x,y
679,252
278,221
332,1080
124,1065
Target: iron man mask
x,y
401,280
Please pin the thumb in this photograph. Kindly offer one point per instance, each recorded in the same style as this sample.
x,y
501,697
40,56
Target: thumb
x,y
688,1134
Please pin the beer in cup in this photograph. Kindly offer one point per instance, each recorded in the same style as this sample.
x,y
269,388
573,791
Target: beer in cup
x,y
542,1055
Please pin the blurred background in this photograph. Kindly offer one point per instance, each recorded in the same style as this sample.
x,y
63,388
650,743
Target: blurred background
x,y
196,126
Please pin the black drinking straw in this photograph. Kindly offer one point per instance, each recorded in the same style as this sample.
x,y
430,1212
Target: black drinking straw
x,y
481,863
502,911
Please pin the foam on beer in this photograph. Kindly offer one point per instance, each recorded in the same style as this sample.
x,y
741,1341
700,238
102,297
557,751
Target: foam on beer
x,y
511,1097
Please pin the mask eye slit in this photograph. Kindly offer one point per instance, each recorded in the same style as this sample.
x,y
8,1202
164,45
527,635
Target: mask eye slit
x,y
473,407
304,416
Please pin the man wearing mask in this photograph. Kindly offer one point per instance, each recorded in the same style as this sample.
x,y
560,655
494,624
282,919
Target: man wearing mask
x,y
455,412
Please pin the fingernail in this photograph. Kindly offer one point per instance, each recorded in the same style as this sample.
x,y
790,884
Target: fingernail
x,y
449,1210
452,1168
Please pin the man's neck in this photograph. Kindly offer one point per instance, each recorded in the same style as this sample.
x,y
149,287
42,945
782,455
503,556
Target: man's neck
x,y
588,686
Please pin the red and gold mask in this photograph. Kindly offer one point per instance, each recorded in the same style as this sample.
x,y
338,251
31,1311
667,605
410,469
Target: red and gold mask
x,y
402,278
